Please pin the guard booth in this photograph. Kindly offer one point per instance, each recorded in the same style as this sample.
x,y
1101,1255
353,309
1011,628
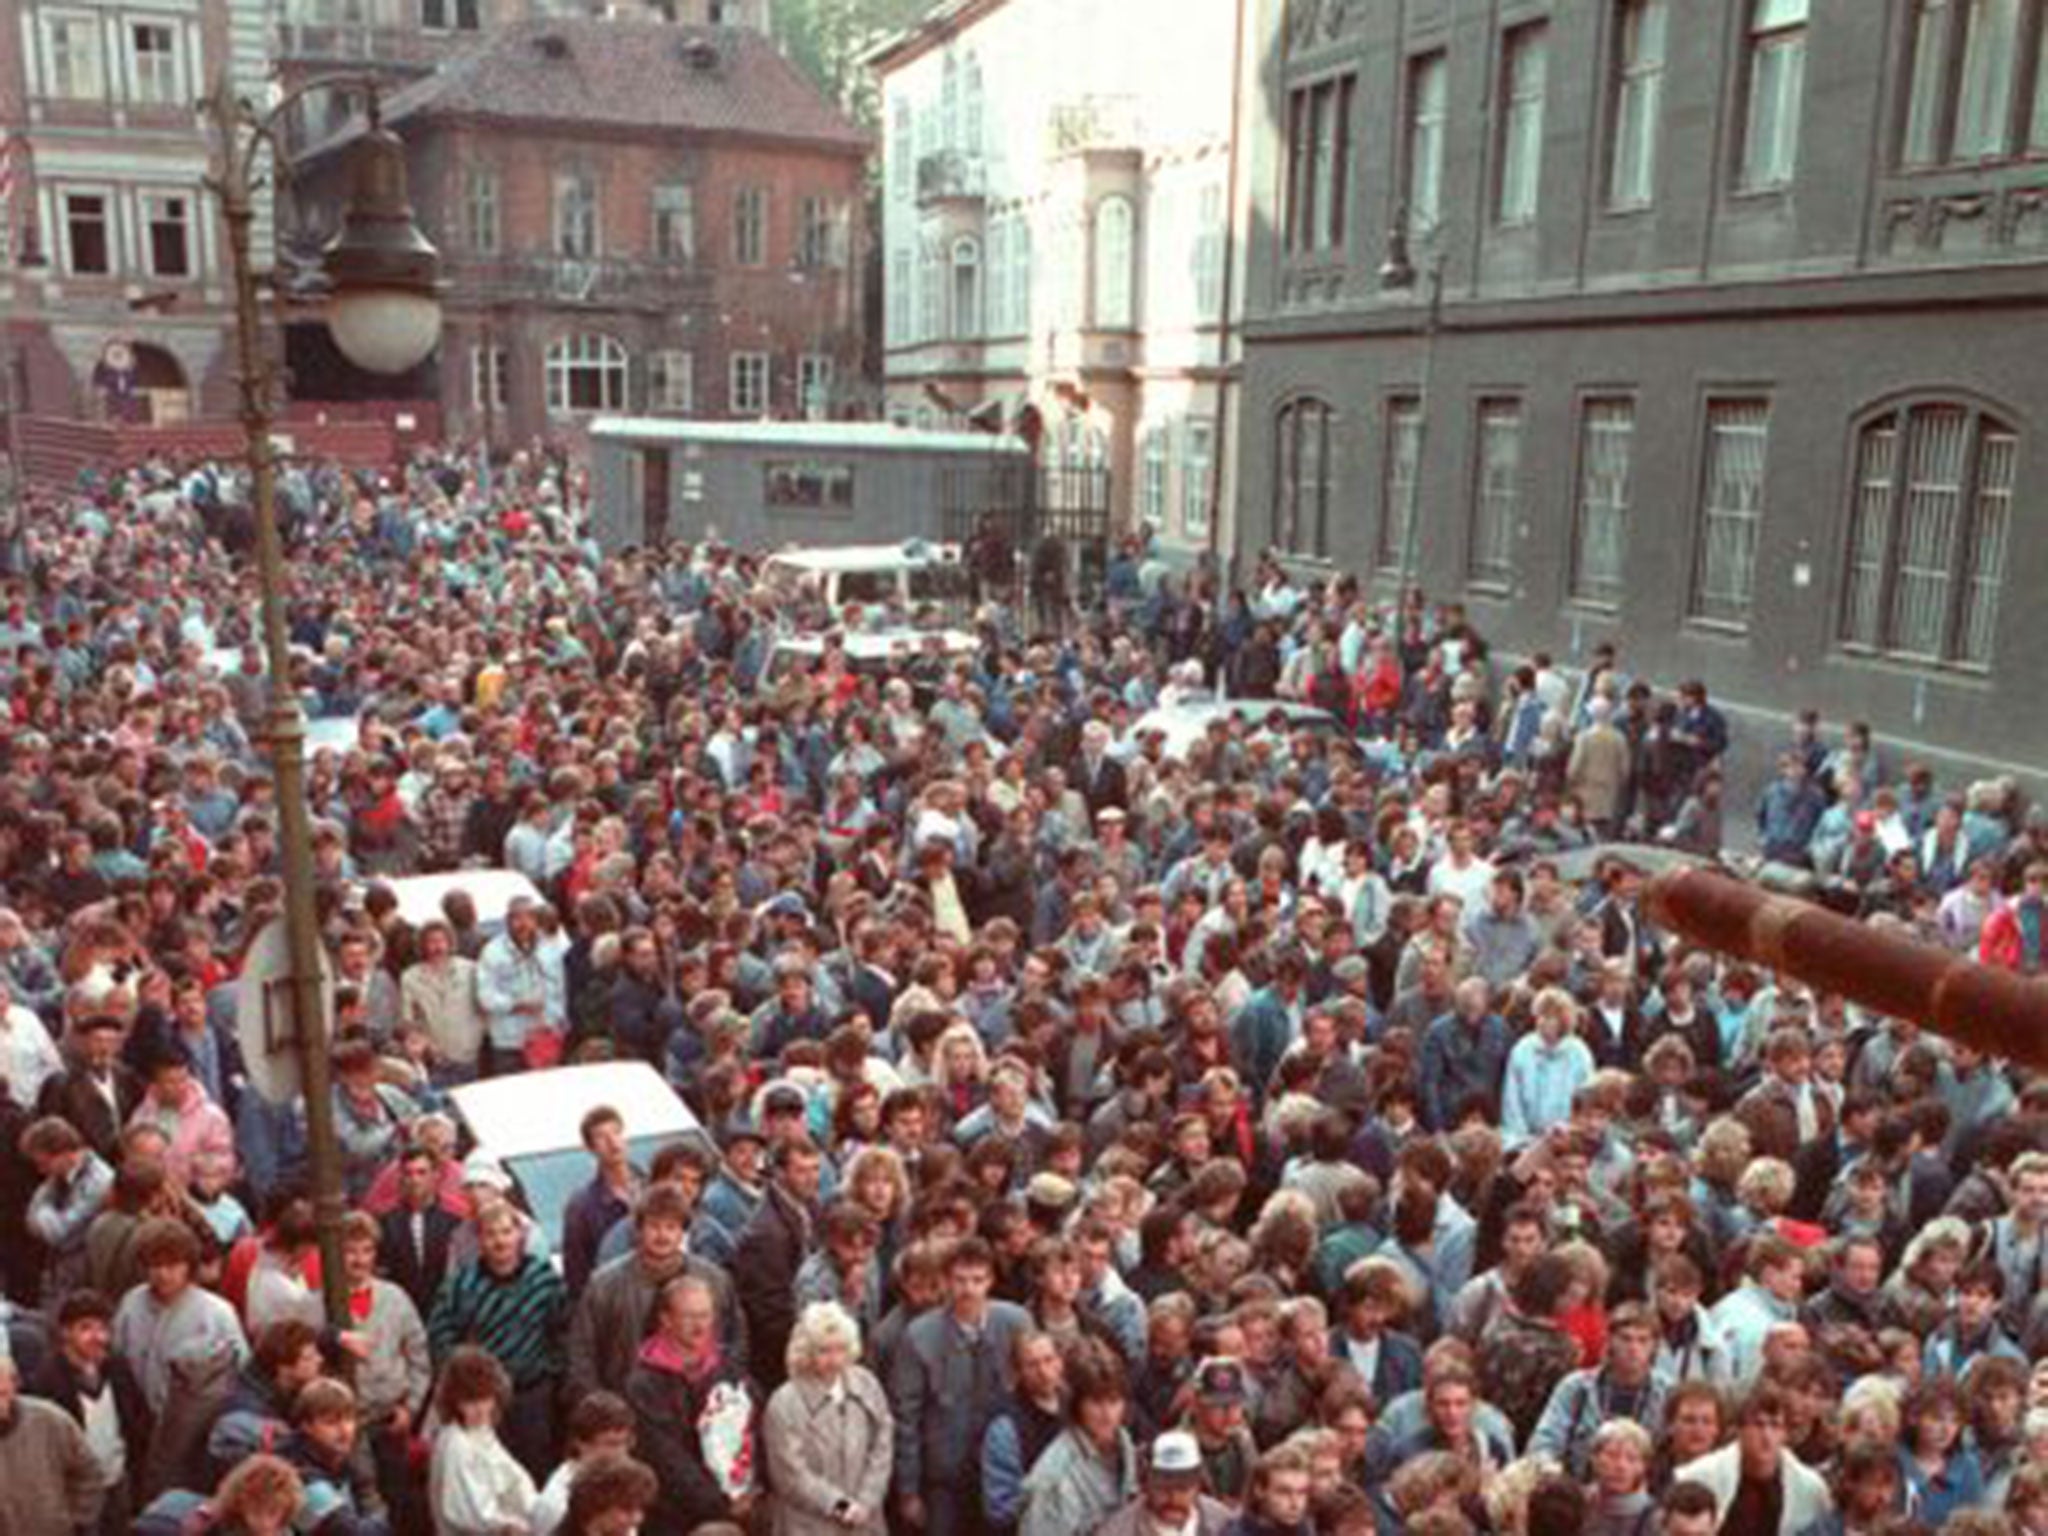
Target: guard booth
x,y
767,485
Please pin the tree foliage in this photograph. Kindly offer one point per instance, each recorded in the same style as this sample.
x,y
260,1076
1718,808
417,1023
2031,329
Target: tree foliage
x,y
828,39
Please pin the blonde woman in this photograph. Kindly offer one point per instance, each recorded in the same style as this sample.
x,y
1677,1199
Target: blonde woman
x,y
828,1432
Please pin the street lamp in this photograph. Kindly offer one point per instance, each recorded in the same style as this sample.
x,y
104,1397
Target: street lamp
x,y
384,312
1397,275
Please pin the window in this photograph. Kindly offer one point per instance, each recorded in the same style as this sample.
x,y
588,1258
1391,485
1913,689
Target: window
x,y
1319,164
74,48
576,217
675,223
1638,104
1927,534
996,295
490,377
902,151
747,386
808,484
156,62
970,107
1197,467
949,103
1302,488
1599,540
1115,250
816,243
1429,83
1929,84
167,218
440,15
814,385
1210,233
1020,277
88,243
671,381
1525,66
1069,277
480,210
1991,34
1496,495
1777,89
1731,511
1153,461
931,295
901,278
1398,484
586,373
966,306
750,226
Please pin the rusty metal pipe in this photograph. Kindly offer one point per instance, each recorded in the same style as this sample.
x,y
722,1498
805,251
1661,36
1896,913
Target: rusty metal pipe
x,y
1993,1010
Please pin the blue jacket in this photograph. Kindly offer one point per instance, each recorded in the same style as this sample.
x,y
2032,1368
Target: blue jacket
x,y
946,1389
1458,1065
1259,1037
1787,817
1541,1080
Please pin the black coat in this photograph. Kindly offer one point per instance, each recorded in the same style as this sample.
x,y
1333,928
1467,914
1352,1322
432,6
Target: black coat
x,y
57,1382
764,1266
402,1265
72,1096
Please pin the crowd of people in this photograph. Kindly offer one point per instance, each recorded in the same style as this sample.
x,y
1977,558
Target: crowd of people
x,y
1282,1130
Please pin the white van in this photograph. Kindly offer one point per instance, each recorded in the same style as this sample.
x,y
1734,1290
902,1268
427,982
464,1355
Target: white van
x,y
910,574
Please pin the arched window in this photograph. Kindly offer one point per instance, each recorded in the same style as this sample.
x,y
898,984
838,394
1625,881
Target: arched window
x,y
1302,476
966,289
586,373
1927,533
1115,234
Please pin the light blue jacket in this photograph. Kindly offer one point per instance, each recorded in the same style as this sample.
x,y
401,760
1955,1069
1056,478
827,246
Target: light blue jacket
x,y
1541,1079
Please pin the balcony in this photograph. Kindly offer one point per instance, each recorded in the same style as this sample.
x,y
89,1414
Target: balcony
x,y
950,176
319,42
1092,123
599,282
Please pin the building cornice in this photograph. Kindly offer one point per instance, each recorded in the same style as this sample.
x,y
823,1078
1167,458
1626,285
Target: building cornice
x,y
936,30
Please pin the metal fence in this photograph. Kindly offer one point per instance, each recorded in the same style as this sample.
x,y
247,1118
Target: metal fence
x,y
1031,534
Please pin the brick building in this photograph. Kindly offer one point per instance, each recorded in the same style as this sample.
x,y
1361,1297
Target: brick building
x,y
632,216
114,290
1736,360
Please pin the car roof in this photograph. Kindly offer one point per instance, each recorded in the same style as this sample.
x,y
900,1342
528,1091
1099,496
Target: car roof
x,y
535,1112
493,891
910,555
865,644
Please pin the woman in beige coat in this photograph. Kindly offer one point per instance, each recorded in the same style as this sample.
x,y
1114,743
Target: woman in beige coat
x,y
830,1439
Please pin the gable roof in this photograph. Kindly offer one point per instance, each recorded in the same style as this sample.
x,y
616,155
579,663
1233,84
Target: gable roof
x,y
638,75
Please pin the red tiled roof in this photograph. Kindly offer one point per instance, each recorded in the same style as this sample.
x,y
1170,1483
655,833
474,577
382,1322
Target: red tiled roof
x,y
629,75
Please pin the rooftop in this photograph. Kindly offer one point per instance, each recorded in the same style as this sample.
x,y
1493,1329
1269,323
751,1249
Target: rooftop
x,y
630,75
800,436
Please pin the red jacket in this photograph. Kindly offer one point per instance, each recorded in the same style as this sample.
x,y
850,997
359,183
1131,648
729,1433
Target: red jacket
x,y
2002,944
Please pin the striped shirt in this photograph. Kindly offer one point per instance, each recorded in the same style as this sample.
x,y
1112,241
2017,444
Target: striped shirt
x,y
521,1318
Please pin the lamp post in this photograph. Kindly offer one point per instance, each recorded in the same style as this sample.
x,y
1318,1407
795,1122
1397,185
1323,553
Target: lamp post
x,y
385,315
1397,275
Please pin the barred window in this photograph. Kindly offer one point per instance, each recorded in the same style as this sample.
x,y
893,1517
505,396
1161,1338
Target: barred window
x,y
1607,432
1302,477
1928,532
1731,511
1496,495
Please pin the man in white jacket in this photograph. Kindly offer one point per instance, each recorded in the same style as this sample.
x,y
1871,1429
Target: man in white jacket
x,y
1759,1486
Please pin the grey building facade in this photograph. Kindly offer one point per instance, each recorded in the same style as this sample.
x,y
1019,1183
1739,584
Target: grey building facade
x,y
1738,353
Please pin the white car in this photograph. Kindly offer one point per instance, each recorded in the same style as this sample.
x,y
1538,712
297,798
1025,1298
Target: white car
x,y
1181,725
531,1125
493,891
874,575
875,652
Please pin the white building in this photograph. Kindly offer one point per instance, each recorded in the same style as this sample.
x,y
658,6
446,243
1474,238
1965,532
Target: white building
x,y
1057,232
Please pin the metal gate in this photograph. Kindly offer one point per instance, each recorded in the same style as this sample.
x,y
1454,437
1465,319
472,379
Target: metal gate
x,y
1031,533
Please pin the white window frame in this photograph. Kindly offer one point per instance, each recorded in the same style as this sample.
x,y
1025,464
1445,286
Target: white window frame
x,y
160,83
1115,251
750,226
1605,495
1400,465
1197,469
588,352
748,386
1155,466
965,293
61,34
672,381
814,375
1987,78
1211,231
497,359
1496,494
673,235
578,217
482,229
110,218
902,285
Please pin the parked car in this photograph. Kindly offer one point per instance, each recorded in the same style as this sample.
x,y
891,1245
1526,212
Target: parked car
x,y
1183,724
493,891
531,1124
910,574
876,653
